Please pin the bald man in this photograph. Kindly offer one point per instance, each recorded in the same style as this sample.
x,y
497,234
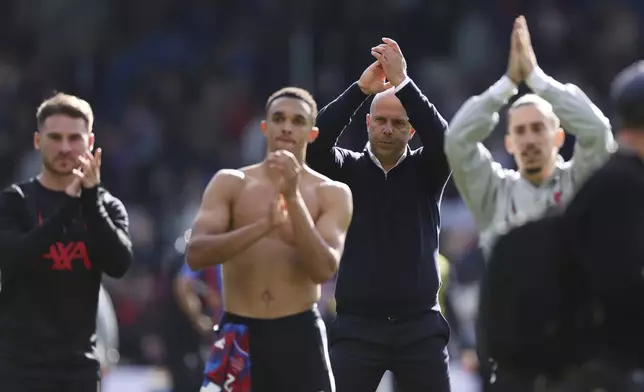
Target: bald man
x,y
388,316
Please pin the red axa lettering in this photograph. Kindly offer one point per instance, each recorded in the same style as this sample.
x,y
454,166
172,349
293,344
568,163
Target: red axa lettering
x,y
62,255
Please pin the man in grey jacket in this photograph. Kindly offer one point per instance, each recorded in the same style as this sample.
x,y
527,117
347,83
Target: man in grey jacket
x,y
501,199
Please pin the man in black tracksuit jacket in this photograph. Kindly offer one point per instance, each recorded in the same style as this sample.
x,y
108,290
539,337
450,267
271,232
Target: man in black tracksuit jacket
x,y
58,233
388,314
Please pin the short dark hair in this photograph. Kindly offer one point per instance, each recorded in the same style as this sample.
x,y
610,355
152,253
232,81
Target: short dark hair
x,y
68,105
627,96
295,93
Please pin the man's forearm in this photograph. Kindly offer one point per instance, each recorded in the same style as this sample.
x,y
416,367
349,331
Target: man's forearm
x,y
319,259
114,246
423,115
578,114
474,171
205,250
323,155
476,118
188,301
430,127
336,116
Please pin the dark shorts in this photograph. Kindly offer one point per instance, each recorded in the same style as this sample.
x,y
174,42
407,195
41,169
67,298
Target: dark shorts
x,y
284,354
22,374
20,384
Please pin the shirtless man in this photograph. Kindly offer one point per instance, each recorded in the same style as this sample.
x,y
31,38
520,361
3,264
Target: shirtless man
x,y
278,229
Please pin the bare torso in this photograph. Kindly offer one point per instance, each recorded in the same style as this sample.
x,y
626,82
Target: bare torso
x,y
267,280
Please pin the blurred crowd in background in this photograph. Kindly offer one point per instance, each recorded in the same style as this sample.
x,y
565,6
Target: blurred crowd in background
x,y
178,89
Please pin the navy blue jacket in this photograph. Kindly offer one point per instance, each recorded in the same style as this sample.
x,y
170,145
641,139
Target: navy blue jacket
x,y
389,267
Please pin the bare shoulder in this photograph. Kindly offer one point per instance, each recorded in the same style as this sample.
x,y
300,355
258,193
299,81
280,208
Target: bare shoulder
x,y
327,187
336,202
335,189
316,177
252,172
334,192
225,182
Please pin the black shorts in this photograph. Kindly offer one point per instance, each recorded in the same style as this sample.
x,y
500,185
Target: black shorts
x,y
25,374
286,354
23,384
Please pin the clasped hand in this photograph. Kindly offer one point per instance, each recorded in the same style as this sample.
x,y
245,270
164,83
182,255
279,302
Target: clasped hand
x,y
288,170
389,69
88,175
522,59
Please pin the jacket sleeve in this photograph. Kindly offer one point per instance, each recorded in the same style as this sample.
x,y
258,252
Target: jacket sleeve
x,y
323,155
476,175
430,127
107,221
580,117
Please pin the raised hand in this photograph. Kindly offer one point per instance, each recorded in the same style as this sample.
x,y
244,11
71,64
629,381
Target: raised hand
x,y
90,171
514,71
287,165
392,60
373,79
527,58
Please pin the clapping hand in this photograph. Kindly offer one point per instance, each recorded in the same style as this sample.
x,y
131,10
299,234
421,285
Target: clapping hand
x,y
392,60
373,79
527,58
90,170
88,175
522,59
289,168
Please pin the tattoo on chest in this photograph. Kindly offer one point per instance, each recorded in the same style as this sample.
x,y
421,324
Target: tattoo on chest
x,y
267,298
